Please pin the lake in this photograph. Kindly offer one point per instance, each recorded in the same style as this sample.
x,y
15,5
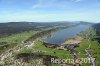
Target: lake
x,y
58,37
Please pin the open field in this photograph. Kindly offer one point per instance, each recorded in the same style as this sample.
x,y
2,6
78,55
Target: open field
x,y
62,54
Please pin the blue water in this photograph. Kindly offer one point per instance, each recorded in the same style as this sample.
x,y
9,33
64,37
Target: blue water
x,y
60,36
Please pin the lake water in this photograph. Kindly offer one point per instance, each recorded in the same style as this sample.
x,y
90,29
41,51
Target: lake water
x,y
60,36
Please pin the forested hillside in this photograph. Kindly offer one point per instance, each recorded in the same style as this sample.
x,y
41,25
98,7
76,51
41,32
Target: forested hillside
x,y
16,27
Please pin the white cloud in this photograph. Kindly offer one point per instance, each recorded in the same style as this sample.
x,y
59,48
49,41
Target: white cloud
x,y
50,3
43,3
78,0
54,3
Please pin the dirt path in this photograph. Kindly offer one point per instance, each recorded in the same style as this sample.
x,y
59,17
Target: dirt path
x,y
92,59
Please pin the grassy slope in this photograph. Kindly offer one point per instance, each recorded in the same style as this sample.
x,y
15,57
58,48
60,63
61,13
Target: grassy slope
x,y
62,54
94,48
15,39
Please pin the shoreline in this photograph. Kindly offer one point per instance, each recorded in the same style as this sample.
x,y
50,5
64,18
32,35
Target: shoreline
x,y
76,40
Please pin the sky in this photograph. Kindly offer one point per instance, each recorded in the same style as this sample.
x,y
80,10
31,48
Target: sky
x,y
49,10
